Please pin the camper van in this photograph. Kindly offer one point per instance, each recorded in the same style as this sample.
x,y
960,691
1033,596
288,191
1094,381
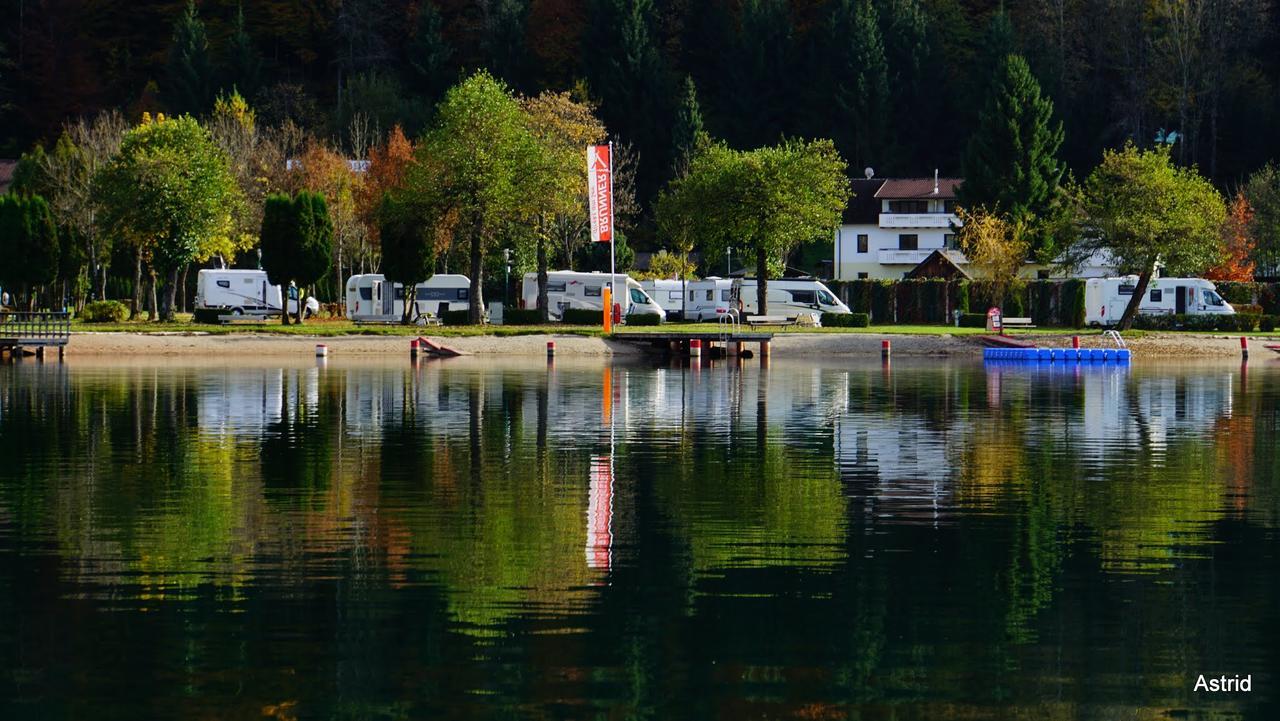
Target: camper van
x,y
244,292
669,295
788,297
371,298
569,289
1106,298
709,298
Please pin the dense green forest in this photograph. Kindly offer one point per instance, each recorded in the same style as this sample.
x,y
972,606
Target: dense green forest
x,y
898,84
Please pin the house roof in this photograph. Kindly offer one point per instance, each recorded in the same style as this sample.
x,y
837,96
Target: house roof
x,y
863,207
7,167
941,264
918,188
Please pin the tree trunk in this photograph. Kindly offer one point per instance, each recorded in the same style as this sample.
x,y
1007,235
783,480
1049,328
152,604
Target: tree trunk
x,y
762,281
154,310
182,292
544,311
137,284
410,304
1131,310
476,316
171,297
284,304
302,304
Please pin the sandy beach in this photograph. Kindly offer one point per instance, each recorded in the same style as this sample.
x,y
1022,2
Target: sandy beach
x,y
784,345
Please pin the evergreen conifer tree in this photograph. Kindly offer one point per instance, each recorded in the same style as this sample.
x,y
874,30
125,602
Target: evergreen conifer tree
x,y
860,82
505,51
244,64
190,87
428,70
914,98
688,127
1011,164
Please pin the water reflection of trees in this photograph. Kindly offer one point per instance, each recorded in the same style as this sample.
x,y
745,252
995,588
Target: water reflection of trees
x,y
860,529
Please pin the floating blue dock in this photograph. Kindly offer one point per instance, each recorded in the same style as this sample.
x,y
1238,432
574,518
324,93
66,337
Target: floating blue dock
x,y
1058,355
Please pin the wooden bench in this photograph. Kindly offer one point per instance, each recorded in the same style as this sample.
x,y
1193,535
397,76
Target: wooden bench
x,y
1017,323
759,320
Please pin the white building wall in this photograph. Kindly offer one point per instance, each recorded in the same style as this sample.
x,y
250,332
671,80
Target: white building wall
x,y
883,258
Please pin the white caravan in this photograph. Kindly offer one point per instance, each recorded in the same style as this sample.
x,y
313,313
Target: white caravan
x,y
244,292
710,298
788,297
669,295
569,289
371,298
1106,298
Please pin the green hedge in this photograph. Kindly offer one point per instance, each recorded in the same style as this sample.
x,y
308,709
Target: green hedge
x,y
1268,323
456,317
1047,302
644,319
846,320
104,311
1238,323
582,316
520,316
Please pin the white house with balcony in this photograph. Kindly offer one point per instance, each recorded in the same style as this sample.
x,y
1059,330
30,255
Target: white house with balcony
x,y
892,224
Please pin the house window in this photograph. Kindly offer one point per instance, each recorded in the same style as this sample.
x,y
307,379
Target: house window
x,y
908,241
949,241
949,206
862,276
591,291
908,206
1157,295
1042,274
862,242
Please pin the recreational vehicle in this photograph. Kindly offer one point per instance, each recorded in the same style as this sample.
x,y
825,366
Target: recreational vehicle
x,y
1106,298
669,295
568,289
244,292
709,298
788,297
371,298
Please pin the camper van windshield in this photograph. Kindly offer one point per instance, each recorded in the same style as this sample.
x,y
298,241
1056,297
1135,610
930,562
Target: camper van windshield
x,y
826,298
1211,298
638,297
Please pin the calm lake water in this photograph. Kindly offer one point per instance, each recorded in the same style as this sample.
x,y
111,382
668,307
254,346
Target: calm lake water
x,y
469,540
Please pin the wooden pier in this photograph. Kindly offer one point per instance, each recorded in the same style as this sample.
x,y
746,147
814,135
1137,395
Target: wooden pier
x,y
38,330
730,342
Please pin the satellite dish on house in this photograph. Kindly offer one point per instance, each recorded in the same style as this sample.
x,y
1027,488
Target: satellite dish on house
x,y
869,172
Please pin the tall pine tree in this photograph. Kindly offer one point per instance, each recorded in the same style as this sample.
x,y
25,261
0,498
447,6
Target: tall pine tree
x,y
761,94
505,51
1011,163
429,70
244,64
191,81
629,75
688,127
859,83
917,106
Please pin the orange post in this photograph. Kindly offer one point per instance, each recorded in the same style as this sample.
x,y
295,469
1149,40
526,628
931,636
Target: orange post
x,y
608,309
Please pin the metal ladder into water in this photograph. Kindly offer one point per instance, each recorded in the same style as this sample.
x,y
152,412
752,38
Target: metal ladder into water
x,y
728,326
1114,336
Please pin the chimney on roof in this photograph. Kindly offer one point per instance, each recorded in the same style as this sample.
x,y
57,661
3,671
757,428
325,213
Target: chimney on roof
x,y
935,181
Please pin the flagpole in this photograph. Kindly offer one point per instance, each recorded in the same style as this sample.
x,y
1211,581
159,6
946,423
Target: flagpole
x,y
613,281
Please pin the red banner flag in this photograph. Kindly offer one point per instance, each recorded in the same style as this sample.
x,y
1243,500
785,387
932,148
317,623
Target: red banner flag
x,y
600,192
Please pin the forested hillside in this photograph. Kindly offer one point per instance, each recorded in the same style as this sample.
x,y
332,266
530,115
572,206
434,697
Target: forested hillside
x,y
898,84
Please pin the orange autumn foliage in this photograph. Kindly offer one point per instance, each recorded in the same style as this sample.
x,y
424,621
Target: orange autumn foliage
x,y
1237,263
388,163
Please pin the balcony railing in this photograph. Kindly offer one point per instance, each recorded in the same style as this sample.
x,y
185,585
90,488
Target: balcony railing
x,y
903,257
917,220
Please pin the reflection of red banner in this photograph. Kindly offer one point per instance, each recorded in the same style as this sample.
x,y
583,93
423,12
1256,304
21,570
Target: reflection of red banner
x,y
600,514
600,192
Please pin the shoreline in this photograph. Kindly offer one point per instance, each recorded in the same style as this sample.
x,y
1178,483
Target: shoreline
x,y
791,345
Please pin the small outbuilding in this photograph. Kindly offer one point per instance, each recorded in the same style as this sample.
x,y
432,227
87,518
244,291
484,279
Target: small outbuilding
x,y
941,263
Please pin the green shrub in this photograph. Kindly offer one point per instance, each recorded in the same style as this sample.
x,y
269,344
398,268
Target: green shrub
x,y
1268,323
1164,321
846,320
973,320
104,311
583,316
1200,323
1238,323
1072,309
639,319
520,316
456,317
1248,308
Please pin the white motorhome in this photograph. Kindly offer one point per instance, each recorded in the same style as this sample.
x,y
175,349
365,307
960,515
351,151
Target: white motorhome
x,y
1106,298
244,292
788,297
569,289
371,298
669,295
709,298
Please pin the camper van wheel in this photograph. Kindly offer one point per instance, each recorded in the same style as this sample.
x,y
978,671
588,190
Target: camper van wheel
x,y
306,314
237,311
